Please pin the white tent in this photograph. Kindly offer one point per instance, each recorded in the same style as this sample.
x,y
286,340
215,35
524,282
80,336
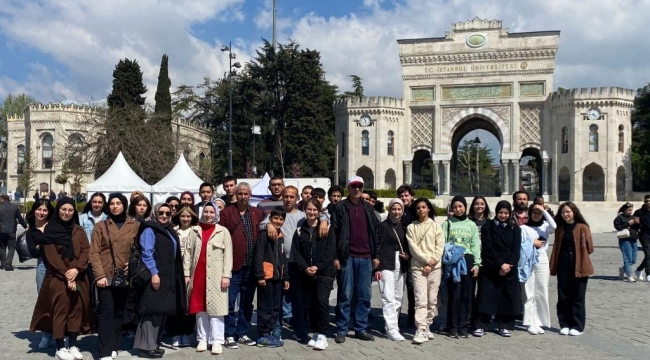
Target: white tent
x,y
180,178
119,178
260,190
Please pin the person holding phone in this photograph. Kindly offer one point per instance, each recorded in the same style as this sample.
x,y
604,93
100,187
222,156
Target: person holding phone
x,y
626,222
536,307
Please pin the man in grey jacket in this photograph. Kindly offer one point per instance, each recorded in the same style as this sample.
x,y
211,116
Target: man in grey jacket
x,y
9,216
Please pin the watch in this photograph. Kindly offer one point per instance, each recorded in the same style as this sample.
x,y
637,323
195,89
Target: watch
x,y
593,114
364,120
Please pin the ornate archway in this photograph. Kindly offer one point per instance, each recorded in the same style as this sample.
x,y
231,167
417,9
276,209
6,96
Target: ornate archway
x,y
620,184
502,130
390,180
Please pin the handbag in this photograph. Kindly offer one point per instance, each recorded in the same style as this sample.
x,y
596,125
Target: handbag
x,y
623,234
119,279
139,274
22,249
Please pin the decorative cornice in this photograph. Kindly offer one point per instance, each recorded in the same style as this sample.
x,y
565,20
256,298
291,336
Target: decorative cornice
x,y
414,60
473,75
372,111
592,104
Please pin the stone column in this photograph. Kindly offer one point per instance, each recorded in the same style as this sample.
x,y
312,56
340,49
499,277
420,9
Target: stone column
x,y
545,177
447,182
436,173
408,172
505,174
515,176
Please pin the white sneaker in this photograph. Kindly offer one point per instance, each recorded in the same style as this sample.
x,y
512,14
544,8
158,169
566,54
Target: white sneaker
x,y
631,279
621,273
533,330
540,330
45,342
107,358
63,354
429,334
420,337
176,341
321,343
313,340
216,349
564,331
575,332
647,278
74,351
113,354
394,335
186,341
639,275
202,346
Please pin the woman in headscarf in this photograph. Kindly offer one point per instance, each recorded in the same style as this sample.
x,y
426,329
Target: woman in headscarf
x,y
220,203
165,295
499,290
174,203
187,198
393,255
625,221
207,266
140,209
460,230
37,219
63,305
93,212
110,250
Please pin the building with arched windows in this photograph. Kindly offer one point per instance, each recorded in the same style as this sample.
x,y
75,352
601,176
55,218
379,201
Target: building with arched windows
x,y
56,132
574,143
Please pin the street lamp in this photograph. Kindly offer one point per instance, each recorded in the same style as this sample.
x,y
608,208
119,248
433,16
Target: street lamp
x,y
477,144
237,65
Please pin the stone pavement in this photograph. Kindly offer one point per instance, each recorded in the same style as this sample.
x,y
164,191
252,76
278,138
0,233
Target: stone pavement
x,y
617,327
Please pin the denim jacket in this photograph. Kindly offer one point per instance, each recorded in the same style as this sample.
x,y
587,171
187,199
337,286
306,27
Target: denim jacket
x,y
529,256
88,221
453,262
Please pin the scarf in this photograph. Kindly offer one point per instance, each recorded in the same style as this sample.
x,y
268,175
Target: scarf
x,y
503,204
462,200
119,218
59,232
392,218
531,222
216,216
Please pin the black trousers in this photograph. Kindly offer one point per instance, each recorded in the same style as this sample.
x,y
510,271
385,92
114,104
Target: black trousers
x,y
571,293
317,302
181,325
506,322
7,249
269,305
410,295
645,264
459,302
112,302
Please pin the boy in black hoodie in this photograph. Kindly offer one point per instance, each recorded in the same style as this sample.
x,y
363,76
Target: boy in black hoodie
x,y
272,276
644,235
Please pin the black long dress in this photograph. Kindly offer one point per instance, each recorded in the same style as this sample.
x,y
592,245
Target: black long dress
x,y
499,295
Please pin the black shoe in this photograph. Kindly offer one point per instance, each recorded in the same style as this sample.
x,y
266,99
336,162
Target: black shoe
x,y
340,338
9,268
150,354
159,351
453,334
364,336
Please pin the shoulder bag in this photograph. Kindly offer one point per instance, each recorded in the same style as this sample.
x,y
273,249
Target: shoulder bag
x,y
623,234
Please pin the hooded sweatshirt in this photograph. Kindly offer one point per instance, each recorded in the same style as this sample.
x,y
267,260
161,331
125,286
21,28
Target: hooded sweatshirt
x,y
465,234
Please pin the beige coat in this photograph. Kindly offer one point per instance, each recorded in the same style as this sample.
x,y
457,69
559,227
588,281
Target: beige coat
x,y
426,241
189,233
219,263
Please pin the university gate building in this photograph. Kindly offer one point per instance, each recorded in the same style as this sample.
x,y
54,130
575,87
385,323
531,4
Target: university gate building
x,y
566,145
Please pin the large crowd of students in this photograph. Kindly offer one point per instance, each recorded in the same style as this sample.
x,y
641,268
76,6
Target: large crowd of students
x,y
200,265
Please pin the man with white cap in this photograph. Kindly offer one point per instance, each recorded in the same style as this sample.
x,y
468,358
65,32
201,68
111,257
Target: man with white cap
x,y
354,223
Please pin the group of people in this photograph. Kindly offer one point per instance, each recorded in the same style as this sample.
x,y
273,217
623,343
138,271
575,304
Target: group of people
x,y
180,268
631,226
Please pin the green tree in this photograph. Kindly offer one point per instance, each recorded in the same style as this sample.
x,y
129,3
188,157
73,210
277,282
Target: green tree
x,y
163,108
473,166
128,88
13,105
26,171
640,152
357,88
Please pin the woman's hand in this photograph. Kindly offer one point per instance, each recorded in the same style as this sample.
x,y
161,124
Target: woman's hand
x,y
404,256
378,275
126,269
102,283
311,271
261,282
426,270
505,268
155,282
538,243
72,285
475,271
375,264
187,280
71,274
337,264
225,284
286,285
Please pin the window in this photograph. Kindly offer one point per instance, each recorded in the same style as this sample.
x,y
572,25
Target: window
x,y
201,160
48,151
343,144
365,142
391,142
621,139
565,140
75,151
21,158
593,138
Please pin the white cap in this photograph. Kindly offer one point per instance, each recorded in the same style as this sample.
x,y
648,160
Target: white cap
x,y
355,180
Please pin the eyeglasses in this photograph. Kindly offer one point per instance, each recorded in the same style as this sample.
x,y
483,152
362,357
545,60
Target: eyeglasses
x,y
165,213
174,206
356,186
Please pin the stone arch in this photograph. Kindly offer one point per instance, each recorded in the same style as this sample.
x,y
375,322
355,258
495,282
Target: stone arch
x,y
470,113
390,180
368,177
564,184
593,183
620,184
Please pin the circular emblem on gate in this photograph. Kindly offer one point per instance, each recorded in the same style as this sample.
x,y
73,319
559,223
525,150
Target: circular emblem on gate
x,y
476,40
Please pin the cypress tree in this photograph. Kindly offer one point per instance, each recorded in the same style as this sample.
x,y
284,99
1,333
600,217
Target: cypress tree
x,y
163,109
128,88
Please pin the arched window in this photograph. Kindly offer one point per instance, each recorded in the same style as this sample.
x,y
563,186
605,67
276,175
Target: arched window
x,y
343,144
593,138
621,139
201,160
47,151
565,140
75,151
391,143
365,142
21,158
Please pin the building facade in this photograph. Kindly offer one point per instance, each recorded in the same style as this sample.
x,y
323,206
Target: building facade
x,y
49,130
481,76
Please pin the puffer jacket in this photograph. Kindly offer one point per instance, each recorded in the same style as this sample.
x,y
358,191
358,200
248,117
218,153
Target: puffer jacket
x,y
309,249
271,251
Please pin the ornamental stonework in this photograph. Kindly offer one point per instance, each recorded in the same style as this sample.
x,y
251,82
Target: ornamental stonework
x,y
421,127
503,112
530,124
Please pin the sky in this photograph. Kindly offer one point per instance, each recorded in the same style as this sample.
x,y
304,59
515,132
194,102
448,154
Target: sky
x,y
56,50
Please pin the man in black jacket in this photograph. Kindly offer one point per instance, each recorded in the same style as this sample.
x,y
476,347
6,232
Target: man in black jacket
x,y
644,234
206,192
354,224
406,193
9,215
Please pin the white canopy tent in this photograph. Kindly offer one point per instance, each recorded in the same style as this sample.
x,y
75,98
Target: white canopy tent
x,y
180,178
119,178
260,190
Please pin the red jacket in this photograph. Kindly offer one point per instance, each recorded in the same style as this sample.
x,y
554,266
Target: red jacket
x,y
230,219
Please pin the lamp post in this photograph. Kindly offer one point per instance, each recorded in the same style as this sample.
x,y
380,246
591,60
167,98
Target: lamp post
x,y
237,65
477,144
256,131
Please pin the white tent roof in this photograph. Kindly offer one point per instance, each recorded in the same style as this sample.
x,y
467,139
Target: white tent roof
x,y
180,178
261,189
119,178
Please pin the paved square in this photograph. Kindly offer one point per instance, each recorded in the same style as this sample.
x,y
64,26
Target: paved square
x,y
617,327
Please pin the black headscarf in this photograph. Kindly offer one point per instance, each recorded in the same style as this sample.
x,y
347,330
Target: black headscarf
x,y
59,232
503,204
121,218
462,200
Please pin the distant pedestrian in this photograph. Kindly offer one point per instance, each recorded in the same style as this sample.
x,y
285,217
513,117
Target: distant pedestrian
x,y
644,230
9,216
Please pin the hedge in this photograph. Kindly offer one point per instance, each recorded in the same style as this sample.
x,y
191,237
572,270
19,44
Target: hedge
x,y
27,207
393,193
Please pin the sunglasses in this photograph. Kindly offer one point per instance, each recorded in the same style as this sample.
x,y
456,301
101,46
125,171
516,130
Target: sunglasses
x,y
174,206
356,186
165,213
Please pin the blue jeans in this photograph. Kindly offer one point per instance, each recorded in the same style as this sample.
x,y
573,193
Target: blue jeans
x,y
354,278
242,284
40,274
629,251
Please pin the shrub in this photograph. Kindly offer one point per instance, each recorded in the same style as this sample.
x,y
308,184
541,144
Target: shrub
x,y
393,193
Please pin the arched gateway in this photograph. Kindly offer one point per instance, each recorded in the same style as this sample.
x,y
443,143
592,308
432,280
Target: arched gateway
x,y
481,77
